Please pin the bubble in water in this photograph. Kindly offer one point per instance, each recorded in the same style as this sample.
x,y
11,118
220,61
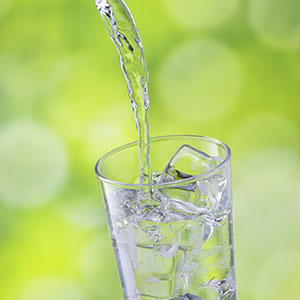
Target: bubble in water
x,y
204,72
153,233
33,164
277,22
201,14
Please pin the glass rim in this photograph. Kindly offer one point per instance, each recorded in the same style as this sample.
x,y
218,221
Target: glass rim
x,y
165,184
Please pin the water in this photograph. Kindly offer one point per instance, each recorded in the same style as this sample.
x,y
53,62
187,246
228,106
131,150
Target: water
x,y
178,244
123,32
172,243
175,243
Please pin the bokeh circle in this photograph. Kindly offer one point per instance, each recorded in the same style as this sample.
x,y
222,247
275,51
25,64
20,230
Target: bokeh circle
x,y
5,8
263,129
284,265
99,269
33,164
84,212
52,288
277,22
201,14
266,189
200,81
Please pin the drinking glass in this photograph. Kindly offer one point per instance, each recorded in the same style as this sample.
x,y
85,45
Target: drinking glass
x,y
172,240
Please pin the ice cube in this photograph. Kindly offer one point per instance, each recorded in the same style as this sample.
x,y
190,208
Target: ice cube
x,y
186,209
219,288
217,186
155,273
169,251
187,162
211,194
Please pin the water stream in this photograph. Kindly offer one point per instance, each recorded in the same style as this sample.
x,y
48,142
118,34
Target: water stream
x,y
123,32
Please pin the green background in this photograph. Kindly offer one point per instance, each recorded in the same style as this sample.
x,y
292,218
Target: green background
x,y
226,69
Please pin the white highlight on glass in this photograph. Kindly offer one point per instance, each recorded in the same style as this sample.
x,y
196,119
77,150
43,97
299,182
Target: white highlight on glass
x,y
33,164
200,81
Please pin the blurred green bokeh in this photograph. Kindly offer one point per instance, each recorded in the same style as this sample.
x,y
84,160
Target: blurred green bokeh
x,y
229,69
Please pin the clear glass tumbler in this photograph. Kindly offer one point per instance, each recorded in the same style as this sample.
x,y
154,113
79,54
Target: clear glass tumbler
x,y
172,240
